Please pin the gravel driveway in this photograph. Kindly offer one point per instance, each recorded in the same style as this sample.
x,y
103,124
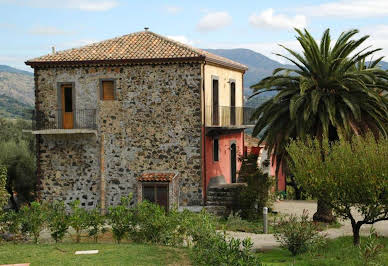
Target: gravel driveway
x,y
267,241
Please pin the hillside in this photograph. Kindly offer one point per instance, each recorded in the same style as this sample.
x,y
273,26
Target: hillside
x,y
17,84
11,108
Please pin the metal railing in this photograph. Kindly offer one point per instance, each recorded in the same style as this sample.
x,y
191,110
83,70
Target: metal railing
x,y
57,119
225,116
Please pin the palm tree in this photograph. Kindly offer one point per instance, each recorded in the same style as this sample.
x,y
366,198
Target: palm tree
x,y
330,93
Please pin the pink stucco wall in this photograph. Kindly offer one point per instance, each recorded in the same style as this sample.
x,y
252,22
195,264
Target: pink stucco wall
x,y
281,185
223,167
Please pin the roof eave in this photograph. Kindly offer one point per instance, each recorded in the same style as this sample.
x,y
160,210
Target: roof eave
x,y
227,65
114,61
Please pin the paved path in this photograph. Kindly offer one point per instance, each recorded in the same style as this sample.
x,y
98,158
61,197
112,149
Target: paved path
x,y
267,241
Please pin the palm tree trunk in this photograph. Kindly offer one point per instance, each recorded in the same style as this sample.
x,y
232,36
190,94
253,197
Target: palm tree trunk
x,y
324,213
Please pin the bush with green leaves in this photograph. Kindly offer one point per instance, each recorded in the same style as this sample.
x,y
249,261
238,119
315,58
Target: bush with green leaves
x,y
251,199
4,196
33,219
95,224
78,219
218,249
371,249
152,223
11,223
58,220
346,175
120,218
298,234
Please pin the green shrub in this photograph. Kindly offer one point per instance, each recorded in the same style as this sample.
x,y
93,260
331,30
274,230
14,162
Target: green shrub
x,y
11,223
371,249
298,235
217,249
58,220
120,218
78,219
95,223
251,199
151,223
33,219
4,196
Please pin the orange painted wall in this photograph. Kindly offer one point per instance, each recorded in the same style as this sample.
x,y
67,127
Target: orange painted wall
x,y
281,176
222,167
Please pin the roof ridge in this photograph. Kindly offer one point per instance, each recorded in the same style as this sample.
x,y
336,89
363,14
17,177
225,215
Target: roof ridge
x,y
192,49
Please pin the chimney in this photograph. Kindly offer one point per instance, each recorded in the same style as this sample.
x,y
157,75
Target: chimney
x,y
53,49
146,28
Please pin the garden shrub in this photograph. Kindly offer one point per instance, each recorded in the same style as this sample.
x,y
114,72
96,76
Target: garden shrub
x,y
370,250
251,199
217,249
33,219
4,196
120,217
151,223
11,223
78,219
298,235
58,220
95,223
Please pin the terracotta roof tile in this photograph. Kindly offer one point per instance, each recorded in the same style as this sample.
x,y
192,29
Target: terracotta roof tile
x,y
139,46
156,177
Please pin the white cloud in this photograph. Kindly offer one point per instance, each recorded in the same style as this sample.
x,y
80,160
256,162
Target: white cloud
x,y
267,19
173,9
181,39
85,5
349,8
214,21
47,31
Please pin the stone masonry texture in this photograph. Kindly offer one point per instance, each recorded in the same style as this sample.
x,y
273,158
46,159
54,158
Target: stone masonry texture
x,y
153,125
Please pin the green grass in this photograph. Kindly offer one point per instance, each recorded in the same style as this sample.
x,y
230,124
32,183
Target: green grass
x,y
337,252
109,254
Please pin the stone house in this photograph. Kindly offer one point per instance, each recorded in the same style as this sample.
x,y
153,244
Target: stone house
x,y
138,114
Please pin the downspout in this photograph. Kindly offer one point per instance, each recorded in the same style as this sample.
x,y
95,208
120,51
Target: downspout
x,y
102,174
204,133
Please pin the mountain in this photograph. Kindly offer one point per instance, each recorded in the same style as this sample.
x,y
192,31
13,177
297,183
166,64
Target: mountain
x,y
11,108
383,65
17,84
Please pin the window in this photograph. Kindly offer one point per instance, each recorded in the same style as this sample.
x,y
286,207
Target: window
x,y
107,90
68,99
215,150
232,103
215,101
156,193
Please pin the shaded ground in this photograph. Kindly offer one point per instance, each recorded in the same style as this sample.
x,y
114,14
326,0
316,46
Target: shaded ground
x,y
265,242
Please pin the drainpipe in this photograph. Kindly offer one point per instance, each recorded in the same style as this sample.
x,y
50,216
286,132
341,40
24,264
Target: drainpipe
x,y
204,132
102,174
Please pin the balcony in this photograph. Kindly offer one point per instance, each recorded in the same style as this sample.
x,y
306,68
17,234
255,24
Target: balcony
x,y
80,121
229,117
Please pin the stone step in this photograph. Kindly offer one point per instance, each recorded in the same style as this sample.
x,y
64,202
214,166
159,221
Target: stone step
x,y
216,210
219,203
217,198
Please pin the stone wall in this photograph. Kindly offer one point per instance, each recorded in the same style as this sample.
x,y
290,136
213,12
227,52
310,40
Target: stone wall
x,y
154,125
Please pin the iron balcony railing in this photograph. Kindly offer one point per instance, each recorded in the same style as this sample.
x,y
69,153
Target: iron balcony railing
x,y
58,119
229,116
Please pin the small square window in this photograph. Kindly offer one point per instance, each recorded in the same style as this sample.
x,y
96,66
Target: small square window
x,y
156,193
107,90
215,150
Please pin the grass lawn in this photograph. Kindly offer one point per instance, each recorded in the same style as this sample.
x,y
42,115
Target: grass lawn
x,y
109,254
338,252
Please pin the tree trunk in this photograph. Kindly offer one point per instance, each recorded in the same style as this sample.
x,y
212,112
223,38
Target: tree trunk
x,y
324,213
356,233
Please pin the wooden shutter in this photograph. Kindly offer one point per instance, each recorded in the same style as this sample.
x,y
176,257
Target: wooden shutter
x,y
108,91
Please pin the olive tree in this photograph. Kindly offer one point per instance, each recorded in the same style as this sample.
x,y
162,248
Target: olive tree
x,y
350,176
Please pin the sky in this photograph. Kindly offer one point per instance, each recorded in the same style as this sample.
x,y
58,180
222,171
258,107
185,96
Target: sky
x,y
29,28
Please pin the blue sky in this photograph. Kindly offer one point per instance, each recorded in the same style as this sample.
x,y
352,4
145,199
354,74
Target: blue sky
x,y
30,27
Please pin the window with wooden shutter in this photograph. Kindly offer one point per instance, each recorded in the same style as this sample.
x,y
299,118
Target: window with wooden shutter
x,y
156,193
108,90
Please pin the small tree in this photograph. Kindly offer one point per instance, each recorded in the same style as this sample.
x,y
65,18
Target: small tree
x,y
58,220
120,217
349,176
96,223
33,219
78,219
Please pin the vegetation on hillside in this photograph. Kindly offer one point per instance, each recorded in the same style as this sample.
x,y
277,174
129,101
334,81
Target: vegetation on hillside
x,y
11,108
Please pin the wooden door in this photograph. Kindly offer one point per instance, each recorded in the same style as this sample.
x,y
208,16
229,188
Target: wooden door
x,y
67,107
233,103
215,104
